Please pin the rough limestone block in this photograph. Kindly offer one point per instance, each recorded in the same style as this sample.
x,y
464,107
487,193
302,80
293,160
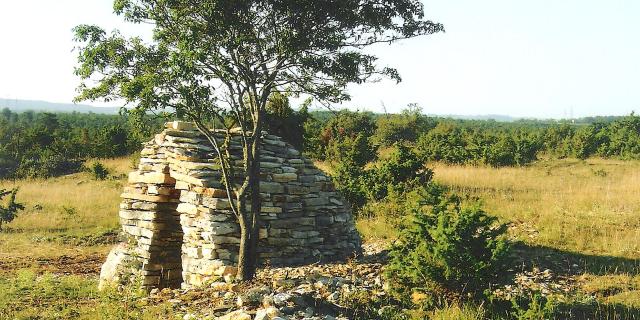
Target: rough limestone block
x,y
341,217
209,253
189,179
268,165
286,169
182,126
149,198
112,269
182,185
216,203
192,252
187,208
221,228
211,192
316,201
295,189
284,177
190,197
271,187
304,234
266,209
210,237
151,178
160,190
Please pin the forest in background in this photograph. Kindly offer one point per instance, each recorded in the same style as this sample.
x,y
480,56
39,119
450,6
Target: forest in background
x,y
44,144
407,176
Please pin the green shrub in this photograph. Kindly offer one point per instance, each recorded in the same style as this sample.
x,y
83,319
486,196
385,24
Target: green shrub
x,y
46,164
355,151
9,209
348,132
282,120
453,144
361,304
447,251
445,143
403,127
350,180
536,307
99,171
69,212
401,172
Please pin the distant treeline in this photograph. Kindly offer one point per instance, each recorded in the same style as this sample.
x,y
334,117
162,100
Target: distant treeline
x,y
483,142
41,144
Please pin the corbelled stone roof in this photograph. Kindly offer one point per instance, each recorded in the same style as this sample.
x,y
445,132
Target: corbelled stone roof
x,y
176,214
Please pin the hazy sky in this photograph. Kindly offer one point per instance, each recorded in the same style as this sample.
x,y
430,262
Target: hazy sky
x,y
542,58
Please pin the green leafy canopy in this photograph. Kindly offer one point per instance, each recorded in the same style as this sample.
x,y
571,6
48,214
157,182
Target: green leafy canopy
x,y
217,63
208,55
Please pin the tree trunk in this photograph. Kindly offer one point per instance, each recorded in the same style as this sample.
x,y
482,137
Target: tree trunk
x,y
256,206
250,219
244,254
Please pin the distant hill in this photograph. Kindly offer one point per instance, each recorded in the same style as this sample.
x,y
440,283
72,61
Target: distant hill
x,y
18,105
325,114
496,117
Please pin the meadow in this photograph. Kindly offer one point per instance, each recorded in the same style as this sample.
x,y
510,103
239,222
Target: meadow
x,y
577,218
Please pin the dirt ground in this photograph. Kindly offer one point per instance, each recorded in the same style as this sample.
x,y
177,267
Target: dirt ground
x,y
63,265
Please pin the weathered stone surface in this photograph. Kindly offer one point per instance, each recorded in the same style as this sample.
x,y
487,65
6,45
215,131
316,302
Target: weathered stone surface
x,y
181,225
187,208
236,315
285,177
111,270
148,198
181,126
271,187
152,177
268,313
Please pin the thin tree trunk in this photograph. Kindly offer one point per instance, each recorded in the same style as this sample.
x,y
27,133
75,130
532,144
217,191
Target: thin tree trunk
x,y
250,226
256,205
244,262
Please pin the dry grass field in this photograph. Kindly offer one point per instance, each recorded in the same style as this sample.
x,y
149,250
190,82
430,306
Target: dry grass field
x,y
590,206
66,219
580,219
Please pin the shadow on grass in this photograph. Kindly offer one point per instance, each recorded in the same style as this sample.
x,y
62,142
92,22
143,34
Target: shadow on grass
x,y
573,263
608,311
567,264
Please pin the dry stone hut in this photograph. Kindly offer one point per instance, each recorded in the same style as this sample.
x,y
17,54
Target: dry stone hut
x,y
180,230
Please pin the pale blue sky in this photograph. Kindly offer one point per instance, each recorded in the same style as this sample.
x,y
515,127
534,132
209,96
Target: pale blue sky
x,y
539,58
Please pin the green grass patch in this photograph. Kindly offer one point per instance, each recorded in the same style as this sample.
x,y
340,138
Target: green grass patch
x,y
26,295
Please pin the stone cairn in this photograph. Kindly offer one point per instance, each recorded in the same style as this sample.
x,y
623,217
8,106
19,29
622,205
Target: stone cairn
x,y
178,222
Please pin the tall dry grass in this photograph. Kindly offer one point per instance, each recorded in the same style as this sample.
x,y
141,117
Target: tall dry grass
x,y
590,206
70,206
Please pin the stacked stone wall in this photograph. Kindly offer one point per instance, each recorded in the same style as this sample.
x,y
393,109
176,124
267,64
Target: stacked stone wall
x,y
178,218
151,223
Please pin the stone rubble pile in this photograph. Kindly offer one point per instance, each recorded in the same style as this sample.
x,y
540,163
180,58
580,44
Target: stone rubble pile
x,y
314,292
178,220
530,283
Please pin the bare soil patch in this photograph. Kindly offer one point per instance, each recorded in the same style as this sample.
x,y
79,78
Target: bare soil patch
x,y
63,265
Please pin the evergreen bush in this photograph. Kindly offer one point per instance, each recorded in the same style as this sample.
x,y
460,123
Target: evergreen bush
x,y
447,251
